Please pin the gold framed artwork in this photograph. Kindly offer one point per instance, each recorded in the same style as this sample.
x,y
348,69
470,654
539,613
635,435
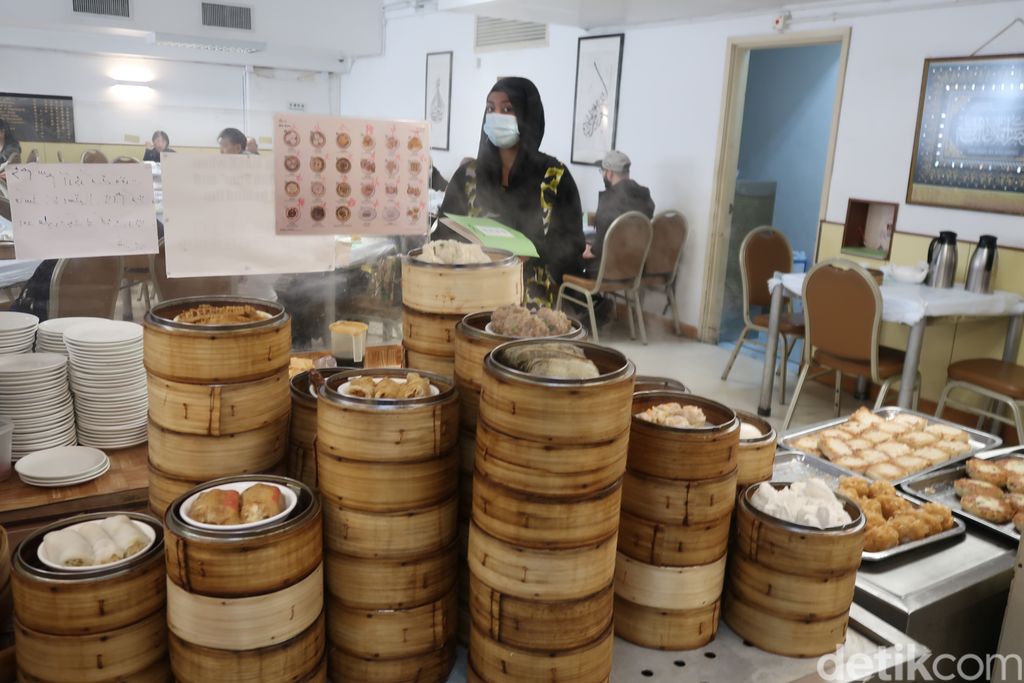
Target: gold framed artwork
x,y
969,141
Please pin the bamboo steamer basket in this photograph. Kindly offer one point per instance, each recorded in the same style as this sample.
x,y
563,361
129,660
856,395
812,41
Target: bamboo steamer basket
x,y
218,409
368,584
432,667
653,383
677,502
533,625
426,362
558,411
99,601
382,431
464,288
389,487
756,457
116,655
472,344
673,545
534,574
164,489
397,535
249,623
5,559
496,662
200,458
302,429
215,354
546,523
782,636
669,588
233,564
552,470
689,454
392,634
791,596
794,548
429,333
294,660
666,629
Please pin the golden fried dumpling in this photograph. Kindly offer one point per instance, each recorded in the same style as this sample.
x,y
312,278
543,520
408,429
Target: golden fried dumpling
x,y
388,388
882,537
261,501
416,386
217,506
362,387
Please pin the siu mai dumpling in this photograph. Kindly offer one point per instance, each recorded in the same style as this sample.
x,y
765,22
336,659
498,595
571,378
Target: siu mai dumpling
x,y
217,506
104,550
68,548
260,502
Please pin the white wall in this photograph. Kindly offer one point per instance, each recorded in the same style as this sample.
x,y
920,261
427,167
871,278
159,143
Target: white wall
x,y
672,85
191,101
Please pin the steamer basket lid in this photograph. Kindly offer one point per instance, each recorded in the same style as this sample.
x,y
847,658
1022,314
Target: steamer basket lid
x,y
331,391
612,364
162,314
499,257
26,557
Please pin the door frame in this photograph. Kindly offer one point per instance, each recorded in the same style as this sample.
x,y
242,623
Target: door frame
x,y
728,149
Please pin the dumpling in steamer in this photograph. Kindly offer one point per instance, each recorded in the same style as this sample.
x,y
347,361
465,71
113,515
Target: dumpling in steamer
x,y
68,548
216,506
125,534
104,550
261,501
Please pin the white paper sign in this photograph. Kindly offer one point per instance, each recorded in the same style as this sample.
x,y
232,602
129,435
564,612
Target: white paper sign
x,y
219,220
77,210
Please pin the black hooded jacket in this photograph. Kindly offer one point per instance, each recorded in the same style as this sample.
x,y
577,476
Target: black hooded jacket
x,y
541,199
625,195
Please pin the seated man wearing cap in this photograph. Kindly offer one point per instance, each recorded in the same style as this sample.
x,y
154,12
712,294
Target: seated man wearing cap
x,y
621,194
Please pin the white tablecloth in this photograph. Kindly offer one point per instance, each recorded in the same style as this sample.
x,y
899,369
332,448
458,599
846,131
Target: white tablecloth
x,y
908,304
14,271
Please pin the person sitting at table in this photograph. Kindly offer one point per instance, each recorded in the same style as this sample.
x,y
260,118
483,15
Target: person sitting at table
x,y
251,146
159,144
514,182
620,195
231,141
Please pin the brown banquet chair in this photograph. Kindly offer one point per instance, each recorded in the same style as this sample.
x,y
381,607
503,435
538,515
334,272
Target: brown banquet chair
x,y
93,156
991,378
664,259
764,252
85,286
843,316
626,246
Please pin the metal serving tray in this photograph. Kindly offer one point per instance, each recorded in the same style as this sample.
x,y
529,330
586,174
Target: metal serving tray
x,y
796,466
937,487
980,441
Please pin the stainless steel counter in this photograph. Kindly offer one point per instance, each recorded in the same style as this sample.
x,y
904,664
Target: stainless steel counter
x,y
949,598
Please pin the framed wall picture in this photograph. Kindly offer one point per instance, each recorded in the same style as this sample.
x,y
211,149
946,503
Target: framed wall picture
x,y
596,107
969,142
437,98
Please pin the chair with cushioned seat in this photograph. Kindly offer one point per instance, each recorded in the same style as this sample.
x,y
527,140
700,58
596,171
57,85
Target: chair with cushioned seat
x,y
625,249
664,259
843,316
85,286
995,380
764,252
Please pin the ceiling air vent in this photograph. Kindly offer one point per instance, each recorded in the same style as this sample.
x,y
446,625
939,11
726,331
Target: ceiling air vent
x,y
227,16
108,8
507,34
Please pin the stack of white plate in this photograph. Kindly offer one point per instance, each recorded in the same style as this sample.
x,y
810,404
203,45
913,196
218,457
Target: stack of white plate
x,y
64,466
50,335
17,332
109,383
34,393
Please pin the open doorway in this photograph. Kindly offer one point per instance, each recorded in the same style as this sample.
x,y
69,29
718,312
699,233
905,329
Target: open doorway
x,y
776,144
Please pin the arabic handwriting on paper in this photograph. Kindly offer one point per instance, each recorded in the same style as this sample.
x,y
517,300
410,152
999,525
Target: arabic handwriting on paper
x,y
76,210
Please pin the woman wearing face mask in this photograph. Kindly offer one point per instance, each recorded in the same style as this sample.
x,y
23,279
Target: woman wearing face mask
x,y
512,181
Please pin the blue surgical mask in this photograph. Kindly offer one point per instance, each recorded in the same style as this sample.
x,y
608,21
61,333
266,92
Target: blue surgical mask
x,y
501,129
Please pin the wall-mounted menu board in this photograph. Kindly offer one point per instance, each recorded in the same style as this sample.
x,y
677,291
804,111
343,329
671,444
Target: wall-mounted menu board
x,y
39,118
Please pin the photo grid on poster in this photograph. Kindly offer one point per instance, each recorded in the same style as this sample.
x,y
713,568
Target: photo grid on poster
x,y
347,176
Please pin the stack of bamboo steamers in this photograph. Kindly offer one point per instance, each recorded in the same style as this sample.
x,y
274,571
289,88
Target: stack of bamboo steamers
x,y
388,480
435,297
677,503
219,400
546,494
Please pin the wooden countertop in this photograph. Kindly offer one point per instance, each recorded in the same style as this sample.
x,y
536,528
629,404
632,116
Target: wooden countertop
x,y
125,485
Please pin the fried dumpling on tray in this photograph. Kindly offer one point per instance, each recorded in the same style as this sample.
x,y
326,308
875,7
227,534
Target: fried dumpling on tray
x,y
216,506
261,501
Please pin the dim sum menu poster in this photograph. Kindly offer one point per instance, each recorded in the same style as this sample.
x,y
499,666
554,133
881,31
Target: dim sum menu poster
x,y
342,176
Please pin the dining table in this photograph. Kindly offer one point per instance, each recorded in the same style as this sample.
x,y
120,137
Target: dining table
x,y
913,305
